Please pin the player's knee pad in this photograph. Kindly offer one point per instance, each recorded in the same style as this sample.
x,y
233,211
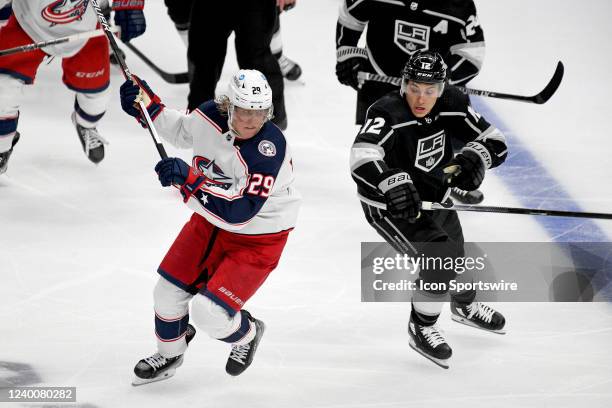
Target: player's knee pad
x,y
216,321
170,301
90,107
11,91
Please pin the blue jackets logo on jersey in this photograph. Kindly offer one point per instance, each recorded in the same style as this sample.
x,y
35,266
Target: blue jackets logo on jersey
x,y
213,173
267,148
64,11
430,151
410,37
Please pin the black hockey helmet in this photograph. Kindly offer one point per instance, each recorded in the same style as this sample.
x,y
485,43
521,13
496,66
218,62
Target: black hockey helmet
x,y
426,67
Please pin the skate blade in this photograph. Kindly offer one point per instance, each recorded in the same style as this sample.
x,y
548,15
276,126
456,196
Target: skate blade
x,y
467,322
439,362
164,376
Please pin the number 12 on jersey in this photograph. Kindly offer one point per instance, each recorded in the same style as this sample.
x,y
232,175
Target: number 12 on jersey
x,y
260,185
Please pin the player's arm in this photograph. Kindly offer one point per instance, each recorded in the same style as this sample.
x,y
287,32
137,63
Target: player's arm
x,y
468,50
172,125
352,20
485,148
369,170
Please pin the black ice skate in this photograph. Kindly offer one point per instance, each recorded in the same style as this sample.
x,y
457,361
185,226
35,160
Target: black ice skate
x,y
91,141
429,341
241,357
478,315
289,68
158,367
467,197
4,156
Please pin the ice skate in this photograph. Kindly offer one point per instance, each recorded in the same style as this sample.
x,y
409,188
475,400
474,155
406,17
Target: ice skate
x,y
4,156
478,315
158,367
91,141
241,357
289,68
429,341
467,197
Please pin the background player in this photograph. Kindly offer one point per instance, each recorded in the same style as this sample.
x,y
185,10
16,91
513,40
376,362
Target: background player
x,y
395,31
85,64
403,155
240,185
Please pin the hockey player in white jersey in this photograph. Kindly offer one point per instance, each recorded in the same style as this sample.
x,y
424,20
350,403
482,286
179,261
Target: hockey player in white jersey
x,y
85,63
240,186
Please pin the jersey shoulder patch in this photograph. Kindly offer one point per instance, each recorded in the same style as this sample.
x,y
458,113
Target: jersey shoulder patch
x,y
266,150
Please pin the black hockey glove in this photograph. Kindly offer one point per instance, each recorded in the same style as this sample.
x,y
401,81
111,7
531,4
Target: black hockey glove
x,y
350,60
401,197
466,170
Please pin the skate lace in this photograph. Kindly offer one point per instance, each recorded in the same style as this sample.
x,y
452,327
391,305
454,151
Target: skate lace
x,y
92,139
239,353
285,64
459,191
156,360
433,335
481,310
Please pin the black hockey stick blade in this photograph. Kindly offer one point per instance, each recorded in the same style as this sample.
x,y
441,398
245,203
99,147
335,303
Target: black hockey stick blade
x,y
540,98
178,78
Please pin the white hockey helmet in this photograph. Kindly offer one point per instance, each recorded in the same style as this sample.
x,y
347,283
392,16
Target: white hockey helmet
x,y
249,89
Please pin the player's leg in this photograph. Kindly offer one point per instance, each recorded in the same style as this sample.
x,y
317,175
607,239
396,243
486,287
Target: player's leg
x,y
289,68
173,332
210,26
180,270
254,30
16,70
179,12
218,309
87,73
465,307
424,238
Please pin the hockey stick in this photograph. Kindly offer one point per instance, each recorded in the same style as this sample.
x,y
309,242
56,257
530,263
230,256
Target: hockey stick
x,y
178,78
128,75
539,98
426,205
42,44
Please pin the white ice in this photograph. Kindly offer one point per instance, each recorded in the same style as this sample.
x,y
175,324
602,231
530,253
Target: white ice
x,y
80,244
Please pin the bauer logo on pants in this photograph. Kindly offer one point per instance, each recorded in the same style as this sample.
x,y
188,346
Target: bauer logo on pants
x,y
411,37
430,151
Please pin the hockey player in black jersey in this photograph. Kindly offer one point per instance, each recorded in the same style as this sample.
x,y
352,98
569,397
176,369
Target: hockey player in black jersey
x,y
403,155
395,31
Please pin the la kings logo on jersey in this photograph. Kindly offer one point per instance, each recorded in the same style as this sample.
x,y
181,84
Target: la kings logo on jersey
x,y
430,151
410,37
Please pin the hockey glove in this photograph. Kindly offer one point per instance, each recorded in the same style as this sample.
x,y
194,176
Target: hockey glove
x,y
130,17
466,170
350,60
131,93
174,171
401,197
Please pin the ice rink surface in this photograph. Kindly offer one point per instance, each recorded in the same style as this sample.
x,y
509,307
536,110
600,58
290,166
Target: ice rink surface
x,y
80,244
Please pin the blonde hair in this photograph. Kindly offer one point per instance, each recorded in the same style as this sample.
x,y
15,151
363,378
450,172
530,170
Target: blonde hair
x,y
223,104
